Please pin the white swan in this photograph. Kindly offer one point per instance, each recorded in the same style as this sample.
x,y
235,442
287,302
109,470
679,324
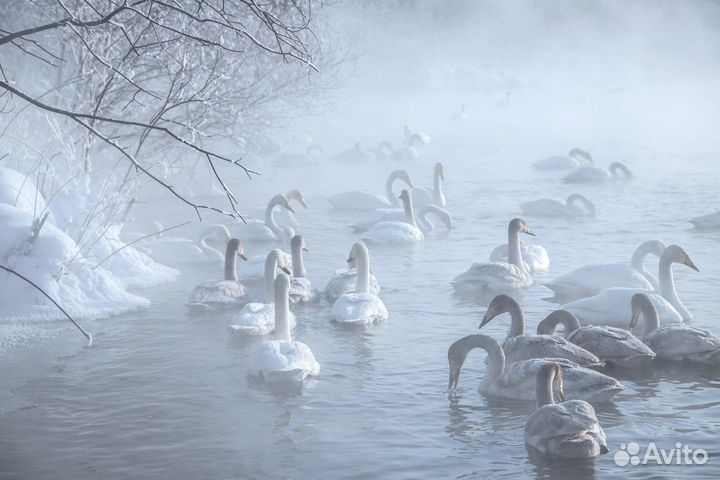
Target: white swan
x,y
388,233
366,200
423,220
609,307
283,217
709,221
569,429
415,139
517,380
498,276
344,281
575,158
224,293
354,155
425,196
550,207
301,290
519,346
678,342
616,347
534,257
589,280
254,269
385,151
311,156
253,230
259,318
283,359
178,250
361,306
596,174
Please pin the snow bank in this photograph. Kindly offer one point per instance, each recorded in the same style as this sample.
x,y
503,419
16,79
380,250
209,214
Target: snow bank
x,y
18,190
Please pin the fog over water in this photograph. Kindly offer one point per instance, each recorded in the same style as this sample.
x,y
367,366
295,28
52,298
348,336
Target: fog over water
x,y
164,392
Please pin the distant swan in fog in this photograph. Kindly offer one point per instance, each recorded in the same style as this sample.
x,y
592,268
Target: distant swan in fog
x,y
499,276
591,279
366,200
462,114
223,293
283,217
709,221
361,306
311,156
678,342
617,347
535,257
301,290
178,250
397,232
517,380
259,318
575,158
354,155
596,174
415,139
521,346
609,307
262,231
283,359
385,151
425,196
549,207
398,215
569,429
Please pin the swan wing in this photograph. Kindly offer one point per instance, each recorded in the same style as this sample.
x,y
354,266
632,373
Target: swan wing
x,y
422,196
524,347
556,162
588,174
711,220
218,293
384,215
359,200
568,429
612,307
678,341
343,281
393,233
590,279
611,344
301,290
257,319
359,308
279,360
493,276
252,230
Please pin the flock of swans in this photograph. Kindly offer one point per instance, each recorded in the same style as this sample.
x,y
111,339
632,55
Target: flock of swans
x,y
599,318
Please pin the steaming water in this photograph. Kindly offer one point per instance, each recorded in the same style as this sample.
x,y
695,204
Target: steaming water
x,y
162,394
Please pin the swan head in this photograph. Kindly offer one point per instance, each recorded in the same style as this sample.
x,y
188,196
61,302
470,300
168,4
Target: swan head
x,y
282,284
405,196
358,250
296,195
235,245
677,254
281,260
297,243
282,201
519,225
499,305
558,317
640,303
402,175
583,154
440,170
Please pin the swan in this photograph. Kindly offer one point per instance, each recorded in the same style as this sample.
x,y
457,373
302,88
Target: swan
x,y
550,207
301,290
365,200
517,380
396,232
385,151
398,215
596,174
709,221
616,347
575,158
254,269
415,139
498,276
591,279
283,217
344,280
519,346
311,156
462,114
608,306
426,196
424,222
354,155
360,306
254,230
283,359
259,318
535,258
569,429
178,250
223,293
678,342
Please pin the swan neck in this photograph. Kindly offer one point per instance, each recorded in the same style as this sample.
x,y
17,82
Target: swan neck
x,y
231,261
544,388
298,264
362,281
667,285
409,211
650,317
495,355
437,189
392,198
270,272
282,315
517,321
514,254
270,218
548,325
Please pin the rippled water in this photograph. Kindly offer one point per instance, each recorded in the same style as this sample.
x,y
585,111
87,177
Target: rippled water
x,y
162,394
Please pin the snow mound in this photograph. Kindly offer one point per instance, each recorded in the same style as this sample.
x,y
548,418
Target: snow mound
x,y
19,191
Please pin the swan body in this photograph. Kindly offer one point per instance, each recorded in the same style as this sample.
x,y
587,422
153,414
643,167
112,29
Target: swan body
x,y
366,200
569,429
254,230
518,346
550,207
354,155
311,156
398,215
178,250
343,281
385,151
591,279
360,307
616,347
575,158
498,276
535,258
678,342
425,196
597,174
709,221
259,318
397,232
517,380
415,139
283,359
224,293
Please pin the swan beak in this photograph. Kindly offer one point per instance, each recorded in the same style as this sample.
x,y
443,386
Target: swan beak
x,y
489,315
302,202
529,232
242,255
305,249
454,377
603,449
291,209
690,263
350,260
285,269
